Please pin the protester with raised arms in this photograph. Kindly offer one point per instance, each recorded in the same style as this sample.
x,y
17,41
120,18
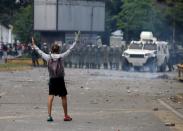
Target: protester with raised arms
x,y
56,74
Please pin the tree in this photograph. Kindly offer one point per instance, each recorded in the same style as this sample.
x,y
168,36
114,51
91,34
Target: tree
x,y
174,17
23,24
112,8
138,15
8,9
19,14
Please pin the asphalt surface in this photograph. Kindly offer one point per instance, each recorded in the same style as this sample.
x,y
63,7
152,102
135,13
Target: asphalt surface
x,y
98,100
1,61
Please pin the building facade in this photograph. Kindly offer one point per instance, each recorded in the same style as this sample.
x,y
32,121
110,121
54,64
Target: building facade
x,y
6,35
60,19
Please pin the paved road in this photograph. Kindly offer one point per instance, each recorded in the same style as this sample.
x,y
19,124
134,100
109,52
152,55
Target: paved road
x,y
1,61
99,100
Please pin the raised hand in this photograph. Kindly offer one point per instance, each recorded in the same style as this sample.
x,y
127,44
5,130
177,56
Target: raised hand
x,y
77,36
33,42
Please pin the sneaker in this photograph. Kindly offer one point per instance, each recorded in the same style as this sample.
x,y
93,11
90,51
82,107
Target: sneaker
x,y
67,118
50,119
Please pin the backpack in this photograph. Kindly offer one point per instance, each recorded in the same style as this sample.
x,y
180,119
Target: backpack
x,y
55,68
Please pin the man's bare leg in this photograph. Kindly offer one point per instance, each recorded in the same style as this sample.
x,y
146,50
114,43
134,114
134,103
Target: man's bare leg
x,y
50,102
64,104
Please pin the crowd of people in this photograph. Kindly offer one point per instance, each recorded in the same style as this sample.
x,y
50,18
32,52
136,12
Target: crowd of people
x,y
13,49
94,57
88,57
82,56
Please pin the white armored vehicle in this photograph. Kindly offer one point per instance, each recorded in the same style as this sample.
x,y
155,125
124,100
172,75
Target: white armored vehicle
x,y
146,54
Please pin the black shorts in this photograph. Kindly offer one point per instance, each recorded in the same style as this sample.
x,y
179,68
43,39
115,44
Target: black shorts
x,y
57,87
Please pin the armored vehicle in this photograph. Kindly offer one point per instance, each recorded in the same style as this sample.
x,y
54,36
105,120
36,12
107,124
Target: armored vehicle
x,y
146,54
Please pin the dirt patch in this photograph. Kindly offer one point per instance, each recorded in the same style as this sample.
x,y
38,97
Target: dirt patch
x,y
178,98
21,68
23,61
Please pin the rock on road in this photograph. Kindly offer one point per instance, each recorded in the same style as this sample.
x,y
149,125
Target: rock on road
x,y
98,100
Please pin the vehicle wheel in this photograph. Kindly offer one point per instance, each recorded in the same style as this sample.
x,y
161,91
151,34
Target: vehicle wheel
x,y
163,66
125,65
153,66
137,68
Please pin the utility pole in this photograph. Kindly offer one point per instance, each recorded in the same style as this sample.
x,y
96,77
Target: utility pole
x,y
173,35
173,32
1,32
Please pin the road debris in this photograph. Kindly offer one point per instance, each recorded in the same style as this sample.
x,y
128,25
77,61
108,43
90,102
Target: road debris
x,y
169,124
81,86
128,87
107,100
177,99
155,109
36,107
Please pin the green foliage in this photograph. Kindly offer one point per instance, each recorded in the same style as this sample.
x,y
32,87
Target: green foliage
x,y
137,15
173,13
7,10
134,16
19,15
112,8
23,24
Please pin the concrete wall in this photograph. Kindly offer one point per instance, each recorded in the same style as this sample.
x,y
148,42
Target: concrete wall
x,y
6,35
69,15
45,15
85,39
81,15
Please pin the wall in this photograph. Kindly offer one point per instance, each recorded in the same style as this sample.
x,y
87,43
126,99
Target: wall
x,y
6,34
69,15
